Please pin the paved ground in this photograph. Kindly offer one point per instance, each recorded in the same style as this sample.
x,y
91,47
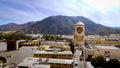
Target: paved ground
x,y
88,64
81,63
77,58
15,57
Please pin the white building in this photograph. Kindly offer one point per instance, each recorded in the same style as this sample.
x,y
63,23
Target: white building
x,y
3,46
30,62
55,42
68,36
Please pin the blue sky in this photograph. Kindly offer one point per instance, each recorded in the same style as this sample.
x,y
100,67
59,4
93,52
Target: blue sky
x,y
105,12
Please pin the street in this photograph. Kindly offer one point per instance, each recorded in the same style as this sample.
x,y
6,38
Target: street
x,y
81,63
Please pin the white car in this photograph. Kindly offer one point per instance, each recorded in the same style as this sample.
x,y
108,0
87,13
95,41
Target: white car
x,y
76,63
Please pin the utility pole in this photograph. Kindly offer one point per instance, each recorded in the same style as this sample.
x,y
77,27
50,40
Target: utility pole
x,y
84,55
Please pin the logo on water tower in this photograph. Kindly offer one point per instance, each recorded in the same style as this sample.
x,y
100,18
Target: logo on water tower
x,y
79,29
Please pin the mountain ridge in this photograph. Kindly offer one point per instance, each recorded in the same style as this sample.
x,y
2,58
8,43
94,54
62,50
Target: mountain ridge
x,y
64,25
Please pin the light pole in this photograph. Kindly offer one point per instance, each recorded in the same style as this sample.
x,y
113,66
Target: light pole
x,y
74,58
84,53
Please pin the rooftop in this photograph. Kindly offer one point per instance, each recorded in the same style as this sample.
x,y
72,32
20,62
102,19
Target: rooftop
x,y
53,52
79,23
107,47
32,62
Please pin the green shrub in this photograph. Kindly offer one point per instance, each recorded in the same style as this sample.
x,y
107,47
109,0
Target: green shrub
x,y
113,63
98,61
71,47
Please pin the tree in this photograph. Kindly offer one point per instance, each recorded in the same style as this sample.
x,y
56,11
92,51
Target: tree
x,y
46,36
72,47
3,59
98,61
113,63
13,36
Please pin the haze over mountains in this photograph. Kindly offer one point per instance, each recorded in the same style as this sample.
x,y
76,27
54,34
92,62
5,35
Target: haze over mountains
x,y
59,25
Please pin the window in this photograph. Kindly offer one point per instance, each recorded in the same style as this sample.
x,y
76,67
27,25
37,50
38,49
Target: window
x,y
23,67
58,64
69,55
89,56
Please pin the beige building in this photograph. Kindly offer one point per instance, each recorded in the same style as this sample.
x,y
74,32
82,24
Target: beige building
x,y
101,50
107,41
52,47
54,51
113,51
54,54
117,36
113,39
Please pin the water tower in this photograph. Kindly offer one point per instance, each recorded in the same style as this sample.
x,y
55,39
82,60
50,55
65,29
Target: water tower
x,y
79,33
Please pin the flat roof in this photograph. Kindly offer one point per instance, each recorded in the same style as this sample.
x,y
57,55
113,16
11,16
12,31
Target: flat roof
x,y
30,61
41,66
32,65
26,63
3,43
59,61
107,47
52,52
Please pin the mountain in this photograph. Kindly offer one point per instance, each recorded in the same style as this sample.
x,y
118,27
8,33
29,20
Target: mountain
x,y
10,27
64,25
14,26
116,28
7,25
50,25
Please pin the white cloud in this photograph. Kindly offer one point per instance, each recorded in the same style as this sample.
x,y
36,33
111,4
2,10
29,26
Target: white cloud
x,y
103,5
101,11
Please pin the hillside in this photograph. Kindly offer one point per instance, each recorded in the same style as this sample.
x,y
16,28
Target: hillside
x,y
64,25
10,27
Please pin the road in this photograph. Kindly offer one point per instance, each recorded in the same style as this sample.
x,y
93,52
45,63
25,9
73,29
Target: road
x,y
89,64
81,63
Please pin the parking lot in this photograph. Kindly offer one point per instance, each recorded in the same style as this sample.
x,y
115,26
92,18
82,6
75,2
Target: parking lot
x,y
15,57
